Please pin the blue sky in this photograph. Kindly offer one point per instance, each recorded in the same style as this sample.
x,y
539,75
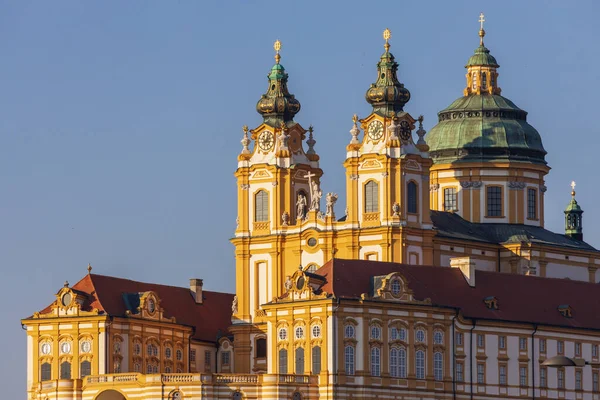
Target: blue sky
x,y
120,121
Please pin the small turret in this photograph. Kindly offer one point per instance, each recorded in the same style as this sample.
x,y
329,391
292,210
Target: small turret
x,y
573,220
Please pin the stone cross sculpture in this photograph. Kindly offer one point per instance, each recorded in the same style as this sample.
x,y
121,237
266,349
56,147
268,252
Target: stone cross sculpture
x,y
330,199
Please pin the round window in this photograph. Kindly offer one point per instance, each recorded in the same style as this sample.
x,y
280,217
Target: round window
x,y
375,332
316,331
86,346
151,306
420,335
349,331
312,242
396,287
300,283
438,337
46,348
282,334
65,347
299,333
66,299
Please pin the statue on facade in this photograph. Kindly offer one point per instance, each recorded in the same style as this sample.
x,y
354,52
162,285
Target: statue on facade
x,y
396,209
285,218
234,305
301,206
288,283
315,197
330,199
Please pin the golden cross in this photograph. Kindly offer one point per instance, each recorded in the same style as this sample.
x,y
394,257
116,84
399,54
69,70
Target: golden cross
x,y
277,47
573,185
481,20
387,34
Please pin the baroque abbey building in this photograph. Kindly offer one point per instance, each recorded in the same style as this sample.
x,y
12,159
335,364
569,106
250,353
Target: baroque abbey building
x,y
436,280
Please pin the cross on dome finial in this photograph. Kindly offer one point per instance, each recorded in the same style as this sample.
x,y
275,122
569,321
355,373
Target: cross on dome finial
x,y
481,31
277,47
387,34
573,188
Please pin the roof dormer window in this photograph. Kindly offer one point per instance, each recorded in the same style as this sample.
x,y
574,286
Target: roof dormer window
x,y
491,302
565,310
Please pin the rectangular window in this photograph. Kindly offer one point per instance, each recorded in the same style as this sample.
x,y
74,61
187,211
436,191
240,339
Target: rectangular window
x,y
480,373
450,200
225,357
523,376
283,368
578,349
595,381
371,197
261,206
480,341
502,342
502,373
85,369
494,201
560,347
207,360
193,356
561,378
261,348
459,372
531,203
316,360
438,366
412,197
375,361
543,377
420,364
542,345
595,350
522,344
46,371
578,383
349,360
459,338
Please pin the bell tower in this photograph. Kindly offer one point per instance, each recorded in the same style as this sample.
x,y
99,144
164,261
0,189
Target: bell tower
x,y
387,173
274,174
573,217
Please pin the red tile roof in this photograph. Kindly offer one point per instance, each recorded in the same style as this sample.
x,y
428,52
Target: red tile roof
x,y
521,298
106,293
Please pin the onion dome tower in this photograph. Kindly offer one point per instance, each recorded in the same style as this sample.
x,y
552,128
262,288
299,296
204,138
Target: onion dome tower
x,y
278,106
387,95
573,220
483,140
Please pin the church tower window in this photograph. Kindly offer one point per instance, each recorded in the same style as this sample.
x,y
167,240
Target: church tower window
x,y
474,80
371,197
450,199
412,206
483,80
531,203
494,201
261,206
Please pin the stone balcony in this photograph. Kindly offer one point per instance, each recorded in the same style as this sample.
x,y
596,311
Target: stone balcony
x,y
189,386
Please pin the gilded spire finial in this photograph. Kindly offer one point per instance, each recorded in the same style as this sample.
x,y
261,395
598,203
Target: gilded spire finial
x,y
387,34
89,268
277,47
481,31
572,188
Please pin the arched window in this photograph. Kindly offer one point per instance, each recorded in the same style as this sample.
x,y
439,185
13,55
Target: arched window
x,y
412,197
438,366
261,206
493,79
176,395
375,361
371,197
85,368
349,360
316,360
237,395
398,362
46,371
261,348
474,80
420,364
483,80
65,370
283,361
300,360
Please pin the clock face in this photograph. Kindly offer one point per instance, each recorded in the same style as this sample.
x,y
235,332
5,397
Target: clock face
x,y
265,141
404,130
375,130
46,348
65,347
86,346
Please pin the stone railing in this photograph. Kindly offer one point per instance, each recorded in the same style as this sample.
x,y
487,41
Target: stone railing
x,y
112,378
290,378
180,378
236,378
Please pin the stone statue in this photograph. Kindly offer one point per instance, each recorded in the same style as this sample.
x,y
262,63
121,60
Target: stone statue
x,y
315,197
396,209
234,305
301,206
285,217
288,283
330,199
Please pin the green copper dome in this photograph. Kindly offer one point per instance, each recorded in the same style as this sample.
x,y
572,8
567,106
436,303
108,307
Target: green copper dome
x,y
278,106
485,127
482,57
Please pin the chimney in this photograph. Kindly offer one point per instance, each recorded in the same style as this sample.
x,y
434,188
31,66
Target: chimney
x,y
466,266
196,289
